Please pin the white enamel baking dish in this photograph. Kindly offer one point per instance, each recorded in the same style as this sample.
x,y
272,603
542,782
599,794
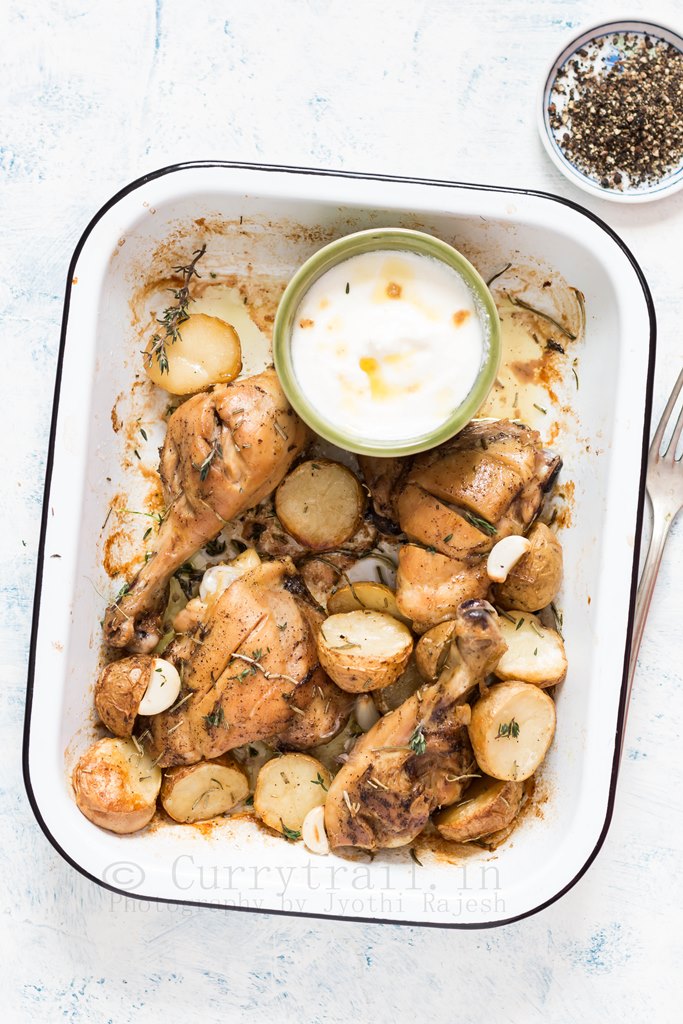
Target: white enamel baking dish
x,y
290,211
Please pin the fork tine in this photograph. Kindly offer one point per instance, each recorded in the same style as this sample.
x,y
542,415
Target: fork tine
x,y
666,416
676,436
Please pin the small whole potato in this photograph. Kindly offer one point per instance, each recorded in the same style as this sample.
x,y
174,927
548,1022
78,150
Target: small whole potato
x,y
537,577
119,690
363,650
207,351
116,785
489,806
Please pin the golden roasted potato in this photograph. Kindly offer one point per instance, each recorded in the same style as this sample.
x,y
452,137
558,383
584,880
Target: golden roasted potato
x,y
119,690
432,650
511,728
489,806
116,785
320,503
534,581
207,351
363,650
535,652
196,792
287,788
366,594
391,697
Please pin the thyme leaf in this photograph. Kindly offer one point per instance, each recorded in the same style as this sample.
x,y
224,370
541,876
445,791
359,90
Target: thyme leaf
x,y
175,315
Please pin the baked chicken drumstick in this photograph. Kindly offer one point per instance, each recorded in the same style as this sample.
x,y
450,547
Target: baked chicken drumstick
x,y
417,757
225,450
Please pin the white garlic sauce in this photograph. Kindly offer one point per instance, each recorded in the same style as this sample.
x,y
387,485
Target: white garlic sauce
x,y
387,344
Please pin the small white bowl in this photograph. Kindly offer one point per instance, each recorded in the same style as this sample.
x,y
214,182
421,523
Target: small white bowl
x,y
644,194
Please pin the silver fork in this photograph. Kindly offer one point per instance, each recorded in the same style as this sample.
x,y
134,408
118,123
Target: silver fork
x,y
665,491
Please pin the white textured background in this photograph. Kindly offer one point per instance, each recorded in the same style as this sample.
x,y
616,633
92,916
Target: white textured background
x,y
94,94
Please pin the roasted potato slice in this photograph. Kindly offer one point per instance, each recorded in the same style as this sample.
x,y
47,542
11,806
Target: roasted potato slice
x,y
534,581
363,650
320,503
207,351
392,696
119,690
287,788
116,785
197,792
489,806
511,729
366,594
535,652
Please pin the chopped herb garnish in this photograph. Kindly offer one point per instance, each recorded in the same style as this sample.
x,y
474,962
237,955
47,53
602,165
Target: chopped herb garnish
x,y
449,536
290,833
137,454
249,802
205,466
319,781
520,623
507,730
282,625
540,409
348,287
554,346
216,718
147,533
144,433
576,378
417,742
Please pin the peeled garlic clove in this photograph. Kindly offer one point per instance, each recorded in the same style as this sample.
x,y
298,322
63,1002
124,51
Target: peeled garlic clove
x,y
366,712
504,556
313,831
162,690
218,578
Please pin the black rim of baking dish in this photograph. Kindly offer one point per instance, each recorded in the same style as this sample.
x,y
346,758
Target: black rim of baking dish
x,y
623,697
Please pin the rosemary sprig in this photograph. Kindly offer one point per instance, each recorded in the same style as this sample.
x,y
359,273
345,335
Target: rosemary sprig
x,y
175,316
544,316
481,524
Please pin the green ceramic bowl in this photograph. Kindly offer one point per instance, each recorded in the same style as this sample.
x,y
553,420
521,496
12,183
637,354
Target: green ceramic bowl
x,y
397,239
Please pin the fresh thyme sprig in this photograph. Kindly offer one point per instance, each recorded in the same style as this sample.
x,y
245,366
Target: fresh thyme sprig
x,y
175,316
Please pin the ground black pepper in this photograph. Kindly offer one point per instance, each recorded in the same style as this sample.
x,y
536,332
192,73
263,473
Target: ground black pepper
x,y
616,110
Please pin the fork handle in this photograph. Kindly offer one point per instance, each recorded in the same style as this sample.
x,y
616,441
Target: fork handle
x,y
661,524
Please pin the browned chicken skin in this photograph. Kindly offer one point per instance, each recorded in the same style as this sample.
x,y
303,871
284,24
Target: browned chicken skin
x,y
225,450
385,793
457,501
251,667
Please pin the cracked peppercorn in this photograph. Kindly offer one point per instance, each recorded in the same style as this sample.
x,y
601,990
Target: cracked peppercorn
x,y
616,109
